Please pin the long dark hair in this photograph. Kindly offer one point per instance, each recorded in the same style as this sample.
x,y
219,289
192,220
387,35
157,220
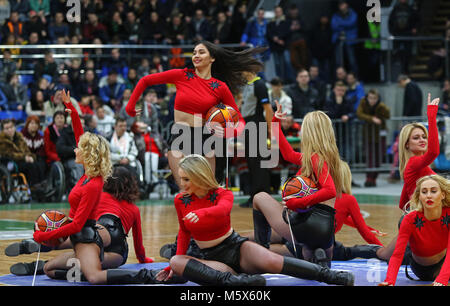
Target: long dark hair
x,y
229,65
122,185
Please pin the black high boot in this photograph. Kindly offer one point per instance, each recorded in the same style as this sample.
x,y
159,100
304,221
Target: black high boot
x,y
27,268
262,229
357,251
206,276
27,246
143,276
320,258
307,270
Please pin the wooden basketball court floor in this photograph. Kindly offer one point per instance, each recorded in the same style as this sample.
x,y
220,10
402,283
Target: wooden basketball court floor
x,y
160,225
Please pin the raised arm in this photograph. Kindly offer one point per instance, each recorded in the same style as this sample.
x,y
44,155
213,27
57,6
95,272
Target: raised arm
x,y
76,122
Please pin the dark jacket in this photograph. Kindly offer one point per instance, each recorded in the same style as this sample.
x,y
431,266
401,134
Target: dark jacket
x,y
15,149
66,144
412,100
366,112
303,102
335,110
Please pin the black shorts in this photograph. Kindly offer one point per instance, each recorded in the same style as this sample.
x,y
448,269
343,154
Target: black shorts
x,y
88,234
192,140
426,273
315,227
118,243
227,252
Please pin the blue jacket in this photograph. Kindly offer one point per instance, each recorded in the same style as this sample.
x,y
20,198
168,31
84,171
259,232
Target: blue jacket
x,y
347,24
356,95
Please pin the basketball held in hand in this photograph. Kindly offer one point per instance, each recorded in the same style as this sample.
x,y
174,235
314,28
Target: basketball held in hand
x,y
298,187
50,220
222,114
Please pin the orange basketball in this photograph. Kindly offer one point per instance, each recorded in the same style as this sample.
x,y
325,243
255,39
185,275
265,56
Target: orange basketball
x,y
50,220
299,187
226,115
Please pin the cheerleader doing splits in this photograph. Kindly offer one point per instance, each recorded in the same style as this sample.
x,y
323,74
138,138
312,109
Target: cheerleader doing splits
x,y
203,210
216,76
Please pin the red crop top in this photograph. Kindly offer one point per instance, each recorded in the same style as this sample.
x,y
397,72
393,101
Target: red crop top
x,y
327,189
194,95
419,166
213,212
348,212
129,215
426,238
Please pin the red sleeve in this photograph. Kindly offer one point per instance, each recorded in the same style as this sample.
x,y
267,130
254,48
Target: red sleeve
x,y
221,209
137,236
228,99
396,259
327,189
88,202
51,155
169,76
76,122
359,222
444,275
403,198
184,236
286,150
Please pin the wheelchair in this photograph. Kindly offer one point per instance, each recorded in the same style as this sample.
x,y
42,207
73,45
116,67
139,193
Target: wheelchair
x,y
5,185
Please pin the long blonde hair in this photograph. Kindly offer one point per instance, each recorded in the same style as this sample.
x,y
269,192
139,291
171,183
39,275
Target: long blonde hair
x,y
317,137
96,155
403,153
444,185
346,174
199,171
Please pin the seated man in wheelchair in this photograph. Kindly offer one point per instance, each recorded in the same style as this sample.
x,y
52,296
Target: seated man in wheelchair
x,y
14,148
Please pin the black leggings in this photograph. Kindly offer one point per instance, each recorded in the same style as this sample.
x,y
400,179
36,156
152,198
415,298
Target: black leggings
x,y
118,243
315,227
425,273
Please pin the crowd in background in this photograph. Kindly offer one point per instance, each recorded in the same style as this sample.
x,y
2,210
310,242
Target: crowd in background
x,y
309,72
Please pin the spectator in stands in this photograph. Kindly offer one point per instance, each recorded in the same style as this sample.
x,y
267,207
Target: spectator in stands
x,y
46,66
238,22
157,63
316,82
42,7
403,21
144,68
344,25
3,101
14,26
177,31
22,7
199,27
90,124
152,29
412,98
11,40
149,115
15,93
116,27
35,141
94,29
255,33
341,74
355,90
33,39
105,123
7,65
36,105
97,102
278,37
85,106
296,44
55,103
320,51
115,62
88,85
14,147
122,145
111,90
276,93
132,79
132,28
5,11
304,97
338,106
35,24
51,135
374,113
43,85
221,29
372,48
75,75
58,28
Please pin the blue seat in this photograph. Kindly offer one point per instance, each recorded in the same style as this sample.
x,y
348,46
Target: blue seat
x,y
17,115
26,79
